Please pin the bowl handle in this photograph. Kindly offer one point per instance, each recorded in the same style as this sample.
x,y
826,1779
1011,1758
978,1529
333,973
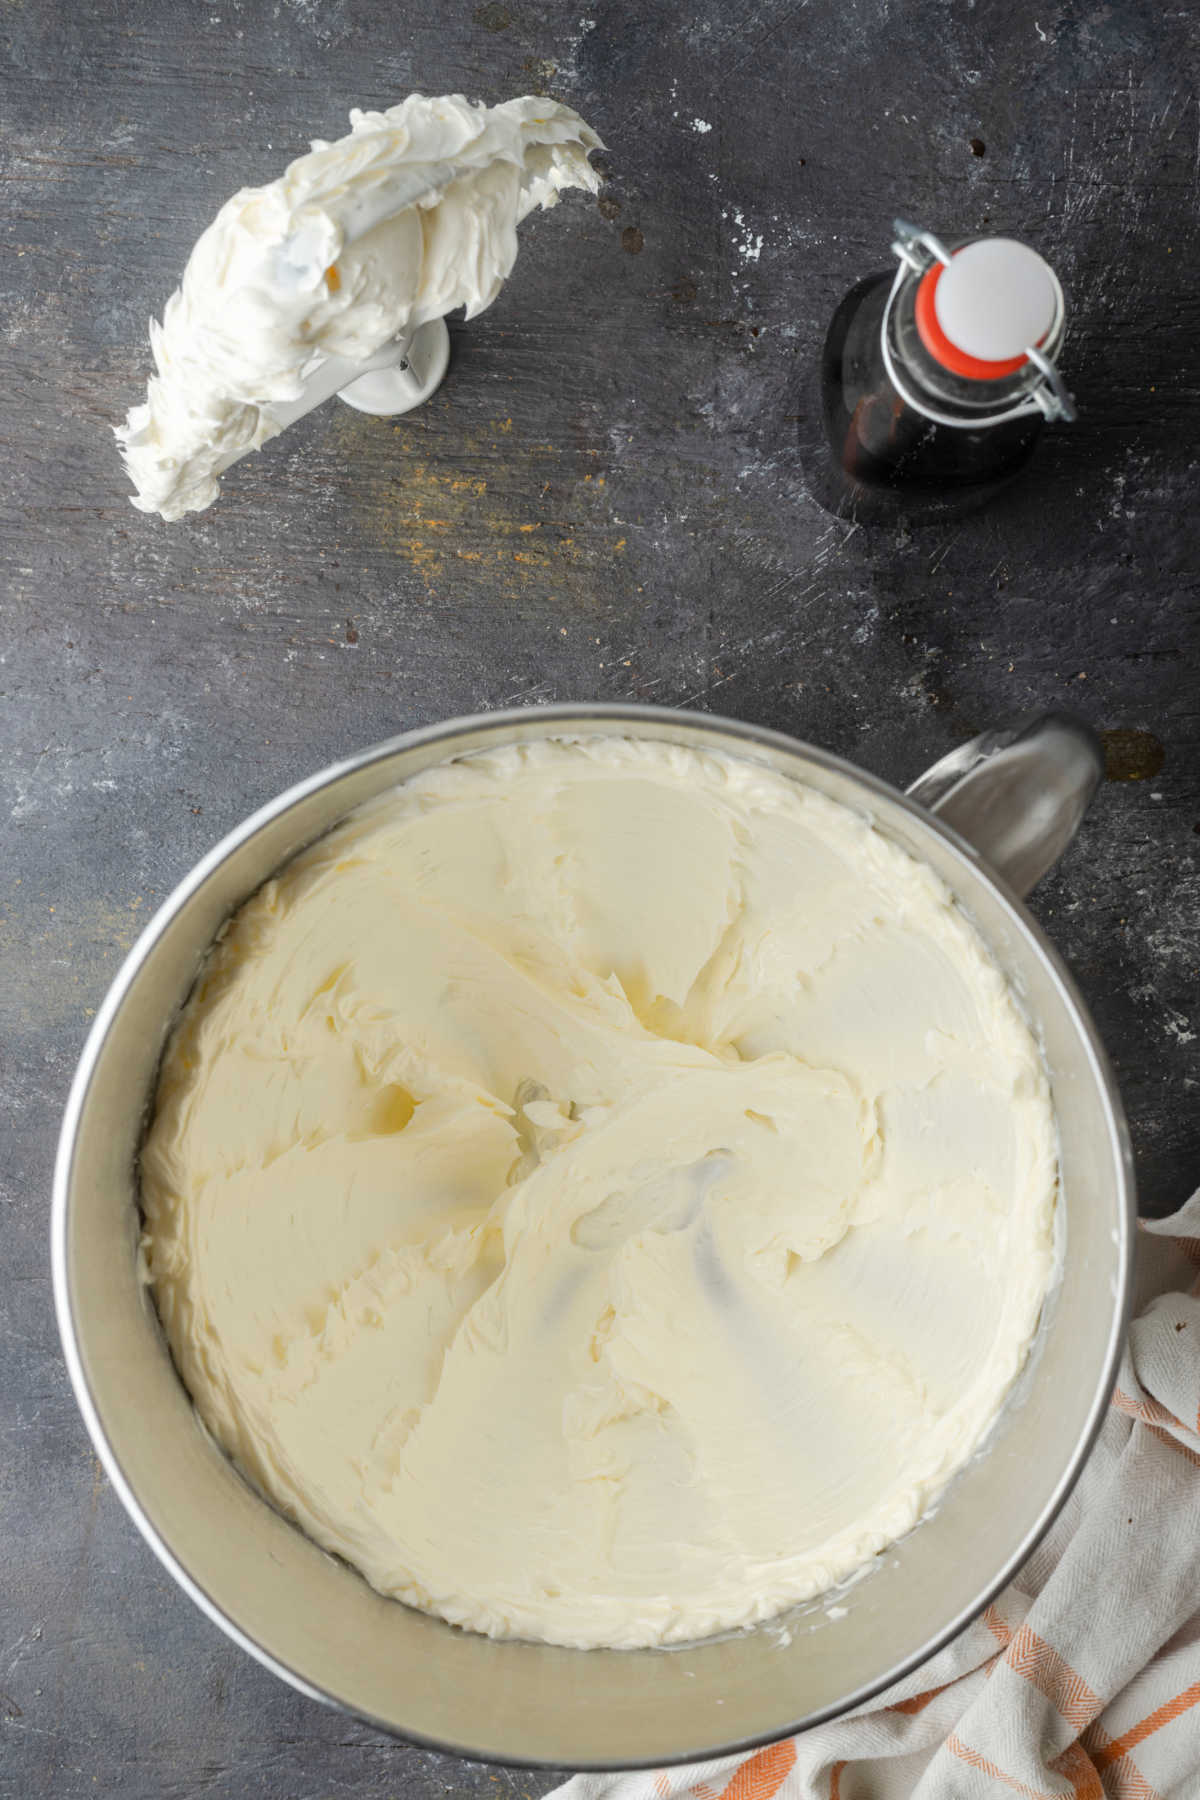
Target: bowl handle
x,y
1017,793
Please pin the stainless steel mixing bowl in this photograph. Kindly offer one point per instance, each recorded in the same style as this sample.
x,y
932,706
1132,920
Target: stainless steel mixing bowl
x,y
989,818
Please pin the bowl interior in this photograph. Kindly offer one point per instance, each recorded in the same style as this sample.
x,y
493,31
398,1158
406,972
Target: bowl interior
x,y
316,1622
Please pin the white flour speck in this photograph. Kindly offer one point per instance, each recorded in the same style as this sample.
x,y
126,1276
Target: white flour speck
x,y
1178,1026
747,243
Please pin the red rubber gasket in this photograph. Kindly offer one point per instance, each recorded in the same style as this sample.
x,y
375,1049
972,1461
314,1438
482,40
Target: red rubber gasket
x,y
939,345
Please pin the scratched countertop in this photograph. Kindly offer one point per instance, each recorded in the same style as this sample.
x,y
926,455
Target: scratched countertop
x,y
610,497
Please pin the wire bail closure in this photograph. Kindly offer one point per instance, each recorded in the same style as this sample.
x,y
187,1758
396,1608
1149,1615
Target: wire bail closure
x,y
917,251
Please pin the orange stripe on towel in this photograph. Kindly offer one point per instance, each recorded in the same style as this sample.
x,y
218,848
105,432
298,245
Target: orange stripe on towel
x,y
974,1760
1167,1437
1150,1412
1041,1665
1162,1715
1123,1780
919,1702
995,1624
762,1777
1080,1771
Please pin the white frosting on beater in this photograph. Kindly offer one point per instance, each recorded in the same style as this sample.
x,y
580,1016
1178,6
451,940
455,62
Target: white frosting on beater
x,y
603,1191
412,214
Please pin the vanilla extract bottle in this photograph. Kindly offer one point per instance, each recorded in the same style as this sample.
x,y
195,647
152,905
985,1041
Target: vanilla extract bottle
x,y
937,381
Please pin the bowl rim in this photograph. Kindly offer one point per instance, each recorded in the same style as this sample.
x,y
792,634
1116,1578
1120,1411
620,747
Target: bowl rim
x,y
575,719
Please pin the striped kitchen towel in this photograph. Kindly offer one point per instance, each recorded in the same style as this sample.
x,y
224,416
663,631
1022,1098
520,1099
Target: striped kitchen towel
x,y
1083,1679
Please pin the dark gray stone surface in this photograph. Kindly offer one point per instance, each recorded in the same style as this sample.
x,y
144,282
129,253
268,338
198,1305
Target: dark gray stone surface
x,y
609,497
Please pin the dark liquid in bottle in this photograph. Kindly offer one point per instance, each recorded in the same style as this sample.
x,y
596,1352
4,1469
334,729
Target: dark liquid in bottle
x,y
889,460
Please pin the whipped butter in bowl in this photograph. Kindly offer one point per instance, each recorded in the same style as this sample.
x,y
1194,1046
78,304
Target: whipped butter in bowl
x,y
603,1190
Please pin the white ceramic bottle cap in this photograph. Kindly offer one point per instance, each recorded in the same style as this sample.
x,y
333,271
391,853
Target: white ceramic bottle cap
x,y
995,299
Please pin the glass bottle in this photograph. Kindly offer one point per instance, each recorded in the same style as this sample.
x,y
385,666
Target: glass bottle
x,y
936,382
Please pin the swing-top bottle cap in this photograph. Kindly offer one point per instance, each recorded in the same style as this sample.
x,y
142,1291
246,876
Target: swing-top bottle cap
x,y
982,312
